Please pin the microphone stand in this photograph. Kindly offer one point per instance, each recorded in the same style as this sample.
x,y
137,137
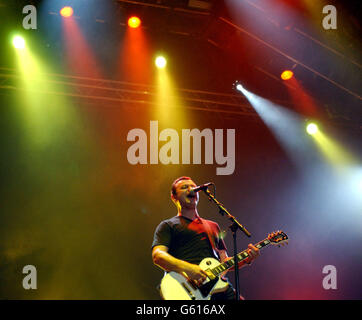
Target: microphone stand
x,y
234,228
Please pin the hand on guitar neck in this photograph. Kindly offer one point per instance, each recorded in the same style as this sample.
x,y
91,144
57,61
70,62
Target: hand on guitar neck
x,y
253,253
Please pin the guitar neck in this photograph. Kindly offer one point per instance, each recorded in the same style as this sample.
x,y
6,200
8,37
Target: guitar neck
x,y
240,257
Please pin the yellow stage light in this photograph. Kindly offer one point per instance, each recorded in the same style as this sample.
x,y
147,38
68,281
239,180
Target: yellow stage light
x,y
19,42
66,12
287,74
160,62
134,22
312,128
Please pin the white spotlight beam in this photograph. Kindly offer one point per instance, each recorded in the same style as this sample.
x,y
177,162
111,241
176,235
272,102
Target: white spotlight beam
x,y
286,125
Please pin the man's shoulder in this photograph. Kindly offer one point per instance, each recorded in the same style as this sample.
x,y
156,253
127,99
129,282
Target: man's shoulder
x,y
212,225
171,221
210,222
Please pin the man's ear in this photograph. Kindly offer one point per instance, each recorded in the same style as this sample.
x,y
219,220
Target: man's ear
x,y
173,198
175,201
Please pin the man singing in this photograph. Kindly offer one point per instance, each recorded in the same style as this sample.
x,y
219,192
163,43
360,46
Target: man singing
x,y
181,242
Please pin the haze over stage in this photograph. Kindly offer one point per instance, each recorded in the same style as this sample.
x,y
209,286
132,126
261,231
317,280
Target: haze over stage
x,y
74,85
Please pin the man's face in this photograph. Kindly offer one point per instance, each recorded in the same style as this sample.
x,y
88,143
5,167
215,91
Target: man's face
x,y
183,195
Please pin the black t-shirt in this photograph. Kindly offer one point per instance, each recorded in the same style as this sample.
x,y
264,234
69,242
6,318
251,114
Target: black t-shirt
x,y
188,239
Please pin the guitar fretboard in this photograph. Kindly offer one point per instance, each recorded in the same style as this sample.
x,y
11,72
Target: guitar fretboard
x,y
240,257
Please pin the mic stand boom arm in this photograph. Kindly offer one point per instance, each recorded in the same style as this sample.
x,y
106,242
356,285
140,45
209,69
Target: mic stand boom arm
x,y
234,228
223,211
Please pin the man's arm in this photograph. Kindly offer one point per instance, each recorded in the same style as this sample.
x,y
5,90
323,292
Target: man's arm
x,y
167,262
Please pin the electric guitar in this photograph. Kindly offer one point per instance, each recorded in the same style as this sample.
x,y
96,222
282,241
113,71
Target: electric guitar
x,y
175,286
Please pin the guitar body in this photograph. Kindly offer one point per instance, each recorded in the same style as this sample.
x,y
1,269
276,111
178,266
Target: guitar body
x,y
175,286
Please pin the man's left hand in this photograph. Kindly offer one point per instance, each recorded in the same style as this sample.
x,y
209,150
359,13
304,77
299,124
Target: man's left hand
x,y
253,253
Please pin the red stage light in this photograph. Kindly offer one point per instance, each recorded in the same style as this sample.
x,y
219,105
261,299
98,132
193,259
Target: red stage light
x,y
66,12
287,74
134,22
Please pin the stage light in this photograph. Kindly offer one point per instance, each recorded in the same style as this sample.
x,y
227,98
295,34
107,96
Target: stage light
x,y
287,74
160,62
19,42
312,128
134,22
238,86
66,12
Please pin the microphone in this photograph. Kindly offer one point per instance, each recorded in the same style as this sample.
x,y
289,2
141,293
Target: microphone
x,y
199,188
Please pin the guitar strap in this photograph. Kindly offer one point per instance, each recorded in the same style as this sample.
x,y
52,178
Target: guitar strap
x,y
210,236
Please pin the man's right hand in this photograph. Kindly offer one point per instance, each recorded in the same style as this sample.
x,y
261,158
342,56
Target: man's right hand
x,y
195,273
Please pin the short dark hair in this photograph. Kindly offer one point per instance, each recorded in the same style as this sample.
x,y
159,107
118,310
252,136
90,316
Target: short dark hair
x,y
173,187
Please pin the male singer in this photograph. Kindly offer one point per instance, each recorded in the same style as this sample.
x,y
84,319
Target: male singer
x,y
181,242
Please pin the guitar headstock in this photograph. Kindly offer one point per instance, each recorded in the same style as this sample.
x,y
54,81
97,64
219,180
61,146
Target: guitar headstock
x,y
278,238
